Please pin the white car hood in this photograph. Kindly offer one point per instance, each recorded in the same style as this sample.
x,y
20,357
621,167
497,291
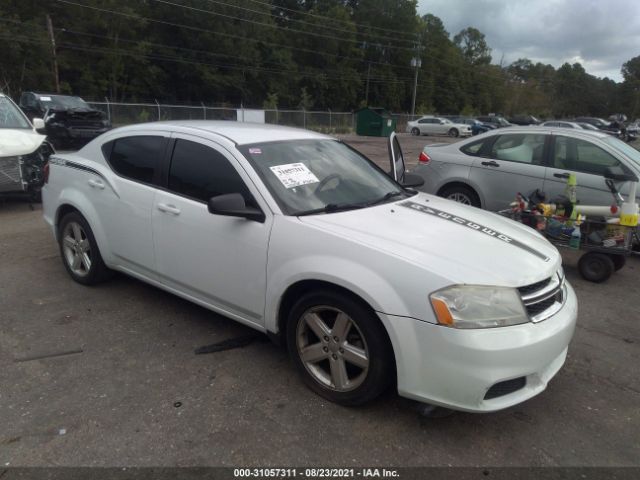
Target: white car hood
x,y
19,141
463,244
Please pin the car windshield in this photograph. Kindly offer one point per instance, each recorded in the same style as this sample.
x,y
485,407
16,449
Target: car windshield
x,y
320,176
588,126
630,152
445,121
63,101
11,116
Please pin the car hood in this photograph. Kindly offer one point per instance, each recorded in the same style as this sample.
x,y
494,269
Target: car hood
x,y
19,141
463,244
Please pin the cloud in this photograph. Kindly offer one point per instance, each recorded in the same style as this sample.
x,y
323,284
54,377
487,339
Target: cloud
x,y
600,34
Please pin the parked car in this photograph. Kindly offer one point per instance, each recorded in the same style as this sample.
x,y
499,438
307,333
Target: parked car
x,y
489,171
69,121
476,125
524,120
429,125
600,124
23,152
496,120
565,124
297,235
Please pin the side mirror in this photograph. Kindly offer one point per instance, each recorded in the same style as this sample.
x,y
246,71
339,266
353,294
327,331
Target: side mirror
x,y
233,205
38,123
412,180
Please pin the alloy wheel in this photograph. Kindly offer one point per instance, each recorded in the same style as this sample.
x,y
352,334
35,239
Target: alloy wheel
x,y
460,198
332,348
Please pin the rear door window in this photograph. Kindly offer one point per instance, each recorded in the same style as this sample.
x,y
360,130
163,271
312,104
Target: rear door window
x,y
137,157
200,172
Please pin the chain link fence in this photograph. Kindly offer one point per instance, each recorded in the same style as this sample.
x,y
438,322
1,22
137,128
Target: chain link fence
x,y
321,121
129,113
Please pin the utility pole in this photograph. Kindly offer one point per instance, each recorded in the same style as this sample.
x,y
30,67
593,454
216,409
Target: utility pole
x,y
56,80
366,97
416,62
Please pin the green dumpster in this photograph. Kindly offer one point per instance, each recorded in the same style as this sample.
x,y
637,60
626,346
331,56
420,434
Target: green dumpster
x,y
374,122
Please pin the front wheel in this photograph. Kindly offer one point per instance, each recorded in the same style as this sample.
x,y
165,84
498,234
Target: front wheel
x,y
339,347
79,251
454,132
415,131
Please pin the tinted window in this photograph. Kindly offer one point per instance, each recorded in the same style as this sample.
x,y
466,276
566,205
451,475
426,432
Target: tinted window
x,y
200,172
137,157
424,120
582,156
522,148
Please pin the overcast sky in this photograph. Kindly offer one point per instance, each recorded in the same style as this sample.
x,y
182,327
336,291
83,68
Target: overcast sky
x,y
600,34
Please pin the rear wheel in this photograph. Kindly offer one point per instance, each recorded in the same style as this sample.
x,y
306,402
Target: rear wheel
x,y
339,347
415,131
596,267
79,251
461,194
454,132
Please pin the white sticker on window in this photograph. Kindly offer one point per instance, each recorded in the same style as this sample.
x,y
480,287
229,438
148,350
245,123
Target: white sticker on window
x,y
294,175
45,99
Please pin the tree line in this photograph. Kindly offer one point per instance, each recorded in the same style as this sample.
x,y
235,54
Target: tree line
x,y
311,54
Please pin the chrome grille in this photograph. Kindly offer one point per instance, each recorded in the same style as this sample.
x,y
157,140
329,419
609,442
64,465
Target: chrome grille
x,y
544,299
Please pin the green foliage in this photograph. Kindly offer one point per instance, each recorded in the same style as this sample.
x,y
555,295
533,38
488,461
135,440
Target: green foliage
x,y
271,103
316,54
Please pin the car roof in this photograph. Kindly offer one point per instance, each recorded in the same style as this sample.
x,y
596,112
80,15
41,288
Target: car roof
x,y
542,129
238,132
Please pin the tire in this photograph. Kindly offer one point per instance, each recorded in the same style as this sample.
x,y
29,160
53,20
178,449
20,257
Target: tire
x,y
79,251
415,132
454,132
618,261
461,194
596,267
349,358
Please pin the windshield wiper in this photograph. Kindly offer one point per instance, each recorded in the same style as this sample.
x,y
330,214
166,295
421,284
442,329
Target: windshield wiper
x,y
332,207
385,197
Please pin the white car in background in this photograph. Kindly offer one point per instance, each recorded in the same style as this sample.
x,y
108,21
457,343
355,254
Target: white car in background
x,y
23,152
429,125
299,236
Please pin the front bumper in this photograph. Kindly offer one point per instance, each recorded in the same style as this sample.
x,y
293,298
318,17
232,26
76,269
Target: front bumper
x,y
455,368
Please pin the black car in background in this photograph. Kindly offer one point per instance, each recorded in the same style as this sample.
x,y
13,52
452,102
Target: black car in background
x,y
69,121
495,120
524,120
600,124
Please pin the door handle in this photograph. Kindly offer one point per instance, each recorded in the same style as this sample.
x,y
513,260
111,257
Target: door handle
x,y
166,208
561,175
490,164
96,184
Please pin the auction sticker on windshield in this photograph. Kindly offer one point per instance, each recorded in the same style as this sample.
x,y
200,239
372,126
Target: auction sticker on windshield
x,y
294,175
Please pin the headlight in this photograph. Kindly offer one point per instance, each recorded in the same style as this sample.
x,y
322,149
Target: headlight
x,y
470,306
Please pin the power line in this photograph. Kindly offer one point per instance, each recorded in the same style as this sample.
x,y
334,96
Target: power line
x,y
327,27
278,27
328,18
104,50
228,35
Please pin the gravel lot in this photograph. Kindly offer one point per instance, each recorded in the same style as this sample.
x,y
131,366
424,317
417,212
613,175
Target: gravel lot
x,y
128,389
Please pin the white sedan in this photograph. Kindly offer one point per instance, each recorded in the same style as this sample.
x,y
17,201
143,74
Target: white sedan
x,y
438,126
368,283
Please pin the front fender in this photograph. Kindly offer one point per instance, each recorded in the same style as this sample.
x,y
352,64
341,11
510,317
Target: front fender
x,y
355,277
